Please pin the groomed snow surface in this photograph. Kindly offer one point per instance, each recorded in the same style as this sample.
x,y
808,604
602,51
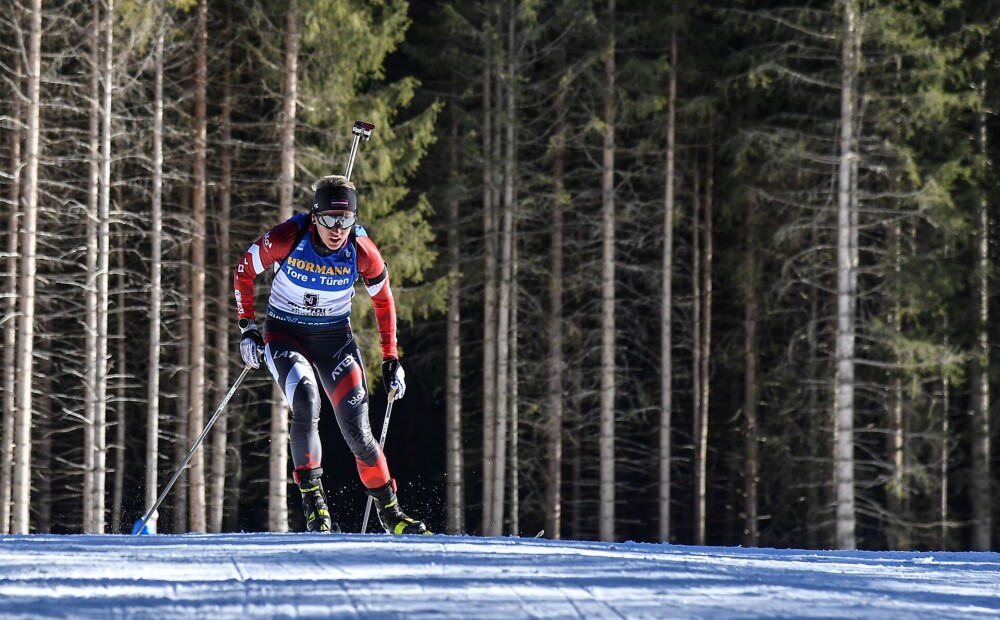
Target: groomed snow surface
x,y
378,576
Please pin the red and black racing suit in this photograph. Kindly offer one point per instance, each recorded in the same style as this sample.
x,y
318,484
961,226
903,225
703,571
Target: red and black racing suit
x,y
309,346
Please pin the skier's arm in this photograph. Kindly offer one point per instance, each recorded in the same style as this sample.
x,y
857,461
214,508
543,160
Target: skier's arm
x,y
275,245
375,273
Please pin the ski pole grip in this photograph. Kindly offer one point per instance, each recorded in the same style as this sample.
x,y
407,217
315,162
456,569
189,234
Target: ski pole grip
x,y
363,129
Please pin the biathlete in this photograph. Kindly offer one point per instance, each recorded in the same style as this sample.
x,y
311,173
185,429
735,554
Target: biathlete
x,y
309,348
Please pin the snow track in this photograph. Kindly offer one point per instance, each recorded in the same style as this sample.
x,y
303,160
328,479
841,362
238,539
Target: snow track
x,y
377,576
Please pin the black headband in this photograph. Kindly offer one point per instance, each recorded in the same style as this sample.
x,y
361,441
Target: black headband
x,y
334,198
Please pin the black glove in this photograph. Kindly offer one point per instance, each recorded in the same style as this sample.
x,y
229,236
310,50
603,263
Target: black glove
x,y
251,344
393,377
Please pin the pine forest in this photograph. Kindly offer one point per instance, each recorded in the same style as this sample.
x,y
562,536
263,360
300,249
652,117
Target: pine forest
x,y
712,273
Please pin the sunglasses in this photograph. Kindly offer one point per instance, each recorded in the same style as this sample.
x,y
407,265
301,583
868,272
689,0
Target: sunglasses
x,y
344,221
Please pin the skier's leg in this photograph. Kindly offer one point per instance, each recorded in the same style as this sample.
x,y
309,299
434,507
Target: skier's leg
x,y
294,375
347,388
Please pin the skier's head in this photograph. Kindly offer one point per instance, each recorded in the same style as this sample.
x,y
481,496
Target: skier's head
x,y
334,210
334,193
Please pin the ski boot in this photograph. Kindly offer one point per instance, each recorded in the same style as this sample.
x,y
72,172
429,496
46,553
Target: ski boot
x,y
392,518
314,506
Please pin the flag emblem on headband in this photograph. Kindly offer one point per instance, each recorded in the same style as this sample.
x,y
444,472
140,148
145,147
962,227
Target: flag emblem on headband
x,y
336,203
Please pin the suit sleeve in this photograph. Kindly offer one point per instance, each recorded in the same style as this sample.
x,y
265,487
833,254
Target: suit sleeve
x,y
375,274
274,246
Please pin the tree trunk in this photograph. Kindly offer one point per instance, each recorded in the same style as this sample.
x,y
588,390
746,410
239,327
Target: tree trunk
x,y
278,486
515,465
198,204
455,486
574,448
42,473
896,530
704,392
489,288
750,353
980,496
277,489
286,183
10,311
506,294
667,303
234,480
554,423
698,459
180,492
223,317
847,282
92,311
103,269
26,290
945,446
118,485
818,477
155,286
606,515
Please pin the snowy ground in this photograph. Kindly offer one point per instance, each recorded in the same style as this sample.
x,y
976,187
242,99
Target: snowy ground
x,y
377,576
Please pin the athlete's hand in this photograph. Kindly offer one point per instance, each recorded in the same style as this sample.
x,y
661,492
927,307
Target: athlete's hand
x,y
393,377
251,345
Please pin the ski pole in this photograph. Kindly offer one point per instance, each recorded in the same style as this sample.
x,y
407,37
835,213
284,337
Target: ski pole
x,y
381,442
177,474
361,131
